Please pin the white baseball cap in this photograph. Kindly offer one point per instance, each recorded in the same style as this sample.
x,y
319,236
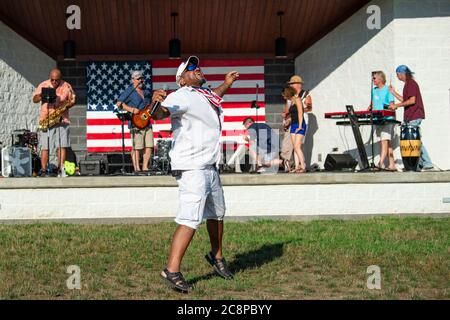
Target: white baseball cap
x,y
192,59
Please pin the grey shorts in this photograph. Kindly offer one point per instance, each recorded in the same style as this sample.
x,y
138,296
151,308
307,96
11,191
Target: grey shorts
x,y
201,197
58,136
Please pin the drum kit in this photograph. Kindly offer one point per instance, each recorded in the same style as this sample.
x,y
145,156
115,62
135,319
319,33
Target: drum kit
x,y
161,158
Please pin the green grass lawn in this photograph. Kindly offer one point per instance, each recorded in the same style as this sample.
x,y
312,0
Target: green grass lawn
x,y
323,259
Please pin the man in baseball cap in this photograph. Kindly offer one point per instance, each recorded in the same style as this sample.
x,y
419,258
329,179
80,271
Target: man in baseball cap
x,y
196,117
191,64
134,99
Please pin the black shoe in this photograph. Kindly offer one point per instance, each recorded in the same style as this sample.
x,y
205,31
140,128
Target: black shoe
x,y
42,173
175,280
220,266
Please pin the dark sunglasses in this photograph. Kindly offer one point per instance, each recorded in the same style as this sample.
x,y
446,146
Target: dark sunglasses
x,y
140,78
191,67
55,80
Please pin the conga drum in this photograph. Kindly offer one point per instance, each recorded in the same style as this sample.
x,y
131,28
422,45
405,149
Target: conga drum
x,y
410,145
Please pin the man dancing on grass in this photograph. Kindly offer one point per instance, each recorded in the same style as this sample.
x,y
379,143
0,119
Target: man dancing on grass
x,y
196,117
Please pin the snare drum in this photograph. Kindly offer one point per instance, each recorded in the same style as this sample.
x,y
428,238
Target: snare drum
x,y
410,145
162,159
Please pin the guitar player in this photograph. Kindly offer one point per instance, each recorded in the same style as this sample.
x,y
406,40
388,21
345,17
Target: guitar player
x,y
133,99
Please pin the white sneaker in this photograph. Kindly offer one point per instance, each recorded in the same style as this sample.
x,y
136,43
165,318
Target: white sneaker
x,y
431,169
62,173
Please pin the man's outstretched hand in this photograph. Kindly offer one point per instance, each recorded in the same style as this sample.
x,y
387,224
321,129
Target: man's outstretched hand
x,y
231,77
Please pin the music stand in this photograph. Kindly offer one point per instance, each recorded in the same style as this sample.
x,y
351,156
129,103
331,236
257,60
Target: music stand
x,y
48,95
256,106
123,116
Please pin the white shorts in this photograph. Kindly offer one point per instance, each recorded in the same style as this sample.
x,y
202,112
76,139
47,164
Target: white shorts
x,y
201,197
385,132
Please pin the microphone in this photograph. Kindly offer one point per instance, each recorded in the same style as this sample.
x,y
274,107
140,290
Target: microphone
x,y
157,104
255,102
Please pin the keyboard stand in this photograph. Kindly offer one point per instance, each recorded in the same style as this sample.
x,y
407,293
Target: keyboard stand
x,y
359,142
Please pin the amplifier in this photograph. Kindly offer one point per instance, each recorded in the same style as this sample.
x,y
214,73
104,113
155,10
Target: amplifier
x,y
336,162
90,167
16,162
113,163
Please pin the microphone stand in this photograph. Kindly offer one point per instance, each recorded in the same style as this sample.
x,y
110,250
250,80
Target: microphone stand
x,y
122,117
256,106
46,99
372,165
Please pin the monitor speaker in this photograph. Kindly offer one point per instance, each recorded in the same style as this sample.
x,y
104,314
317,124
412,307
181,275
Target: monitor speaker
x,y
340,162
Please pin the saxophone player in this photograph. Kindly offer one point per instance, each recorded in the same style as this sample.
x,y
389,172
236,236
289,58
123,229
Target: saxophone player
x,y
58,134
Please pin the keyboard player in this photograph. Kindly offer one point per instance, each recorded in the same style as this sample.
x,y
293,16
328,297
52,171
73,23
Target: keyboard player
x,y
382,98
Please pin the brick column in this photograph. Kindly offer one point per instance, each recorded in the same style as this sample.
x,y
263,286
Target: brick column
x,y
74,72
277,73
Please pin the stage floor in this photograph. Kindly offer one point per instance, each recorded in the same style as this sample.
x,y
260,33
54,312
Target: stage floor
x,y
315,178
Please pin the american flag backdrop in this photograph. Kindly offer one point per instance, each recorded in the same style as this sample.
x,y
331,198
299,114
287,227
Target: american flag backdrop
x,y
106,80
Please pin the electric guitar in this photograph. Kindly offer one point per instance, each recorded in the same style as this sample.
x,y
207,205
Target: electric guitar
x,y
141,119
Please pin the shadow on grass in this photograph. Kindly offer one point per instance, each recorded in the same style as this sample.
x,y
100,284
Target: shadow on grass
x,y
249,260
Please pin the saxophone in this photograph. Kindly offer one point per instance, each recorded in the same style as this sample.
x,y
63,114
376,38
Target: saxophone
x,y
56,116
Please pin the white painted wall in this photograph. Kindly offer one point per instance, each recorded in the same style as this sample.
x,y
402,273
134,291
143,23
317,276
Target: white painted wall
x,y
22,68
338,71
280,200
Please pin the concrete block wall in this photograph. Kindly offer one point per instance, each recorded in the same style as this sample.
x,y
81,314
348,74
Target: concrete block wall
x,y
338,70
277,73
316,200
422,41
74,72
22,68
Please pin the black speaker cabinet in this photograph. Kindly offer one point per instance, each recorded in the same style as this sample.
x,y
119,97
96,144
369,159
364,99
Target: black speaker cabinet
x,y
114,163
90,167
340,162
